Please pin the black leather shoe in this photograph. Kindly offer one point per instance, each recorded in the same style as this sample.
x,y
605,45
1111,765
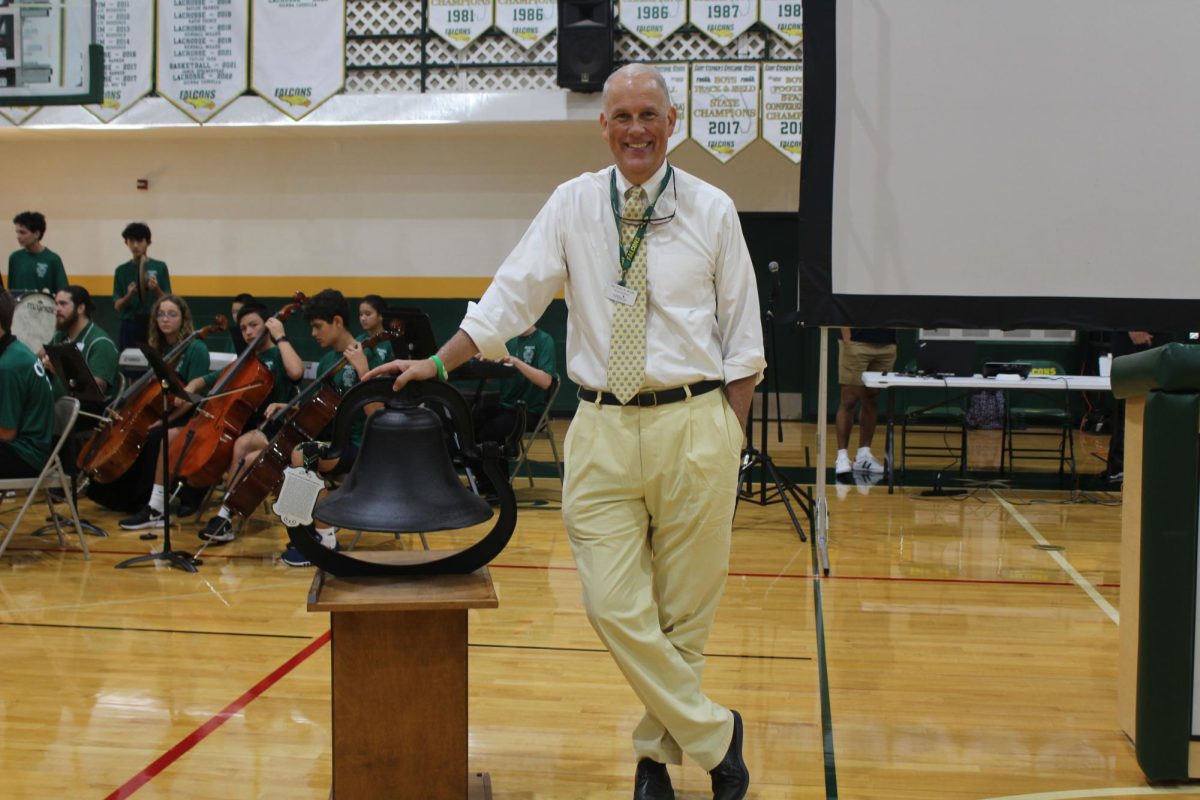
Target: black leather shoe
x,y
730,778
652,782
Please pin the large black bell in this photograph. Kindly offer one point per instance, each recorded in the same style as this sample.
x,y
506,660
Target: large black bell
x,y
403,482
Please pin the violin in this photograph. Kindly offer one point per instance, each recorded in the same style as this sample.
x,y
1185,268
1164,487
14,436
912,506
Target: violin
x,y
204,448
118,441
302,420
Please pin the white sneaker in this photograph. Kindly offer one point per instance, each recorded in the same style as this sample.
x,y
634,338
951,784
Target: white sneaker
x,y
843,466
865,462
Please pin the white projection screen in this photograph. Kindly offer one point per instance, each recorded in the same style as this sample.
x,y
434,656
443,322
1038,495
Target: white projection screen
x,y
1002,164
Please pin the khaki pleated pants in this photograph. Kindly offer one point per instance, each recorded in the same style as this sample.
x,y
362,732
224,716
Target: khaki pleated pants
x,y
648,503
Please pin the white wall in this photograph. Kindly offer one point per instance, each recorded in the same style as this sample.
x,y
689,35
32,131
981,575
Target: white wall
x,y
428,202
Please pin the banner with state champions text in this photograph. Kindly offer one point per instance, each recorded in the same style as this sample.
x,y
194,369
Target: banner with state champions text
x,y
724,107
202,52
298,52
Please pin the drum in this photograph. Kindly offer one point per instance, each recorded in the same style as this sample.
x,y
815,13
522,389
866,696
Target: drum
x,y
33,319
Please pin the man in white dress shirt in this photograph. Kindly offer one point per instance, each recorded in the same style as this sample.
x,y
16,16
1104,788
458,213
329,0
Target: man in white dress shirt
x,y
652,453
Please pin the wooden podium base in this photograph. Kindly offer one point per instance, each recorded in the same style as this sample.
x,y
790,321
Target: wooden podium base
x,y
399,664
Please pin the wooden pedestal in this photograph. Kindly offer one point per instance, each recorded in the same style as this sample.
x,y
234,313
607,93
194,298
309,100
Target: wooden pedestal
x,y
399,652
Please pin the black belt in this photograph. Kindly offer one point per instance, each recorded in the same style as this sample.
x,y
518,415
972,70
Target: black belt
x,y
645,399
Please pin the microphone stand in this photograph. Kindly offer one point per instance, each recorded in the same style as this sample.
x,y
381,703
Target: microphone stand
x,y
784,489
172,386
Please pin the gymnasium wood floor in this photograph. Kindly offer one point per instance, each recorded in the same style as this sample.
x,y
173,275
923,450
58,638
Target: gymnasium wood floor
x,y
963,661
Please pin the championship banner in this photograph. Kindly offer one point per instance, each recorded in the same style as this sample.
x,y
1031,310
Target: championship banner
x,y
126,30
784,17
652,21
723,20
460,22
298,52
676,76
18,114
783,106
202,53
724,107
527,21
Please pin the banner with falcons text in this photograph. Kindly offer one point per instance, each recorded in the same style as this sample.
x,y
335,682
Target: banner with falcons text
x,y
126,29
298,53
676,76
783,106
527,21
202,52
460,22
653,21
724,107
723,20
785,17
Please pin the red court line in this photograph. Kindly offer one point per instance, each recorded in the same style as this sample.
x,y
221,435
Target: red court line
x,y
195,737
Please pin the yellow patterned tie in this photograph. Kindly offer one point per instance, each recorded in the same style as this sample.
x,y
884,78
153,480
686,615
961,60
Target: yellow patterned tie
x,y
627,347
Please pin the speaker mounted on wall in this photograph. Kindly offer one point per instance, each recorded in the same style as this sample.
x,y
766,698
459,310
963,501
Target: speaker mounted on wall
x,y
585,44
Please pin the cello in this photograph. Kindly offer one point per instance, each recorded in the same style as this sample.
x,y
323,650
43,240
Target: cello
x,y
203,449
302,420
118,441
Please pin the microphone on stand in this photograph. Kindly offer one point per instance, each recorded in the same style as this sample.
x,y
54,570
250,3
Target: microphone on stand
x,y
773,268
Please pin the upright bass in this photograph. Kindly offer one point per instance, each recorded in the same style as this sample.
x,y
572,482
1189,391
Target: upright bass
x,y
203,449
118,441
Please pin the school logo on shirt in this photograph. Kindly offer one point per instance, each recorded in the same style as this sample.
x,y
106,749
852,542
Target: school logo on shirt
x,y
42,269
527,354
152,275
381,352
349,376
268,363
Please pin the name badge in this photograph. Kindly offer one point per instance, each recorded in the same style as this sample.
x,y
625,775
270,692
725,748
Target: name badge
x,y
620,294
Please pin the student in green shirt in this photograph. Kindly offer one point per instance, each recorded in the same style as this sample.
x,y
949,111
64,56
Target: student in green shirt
x,y
26,403
533,354
370,316
275,353
172,323
73,309
137,284
326,314
35,267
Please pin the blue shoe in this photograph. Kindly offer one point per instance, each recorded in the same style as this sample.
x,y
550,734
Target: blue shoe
x,y
294,558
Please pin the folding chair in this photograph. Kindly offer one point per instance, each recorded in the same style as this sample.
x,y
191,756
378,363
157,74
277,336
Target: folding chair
x,y
1039,421
66,412
541,430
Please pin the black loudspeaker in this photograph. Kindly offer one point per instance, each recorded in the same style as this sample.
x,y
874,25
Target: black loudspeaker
x,y
585,44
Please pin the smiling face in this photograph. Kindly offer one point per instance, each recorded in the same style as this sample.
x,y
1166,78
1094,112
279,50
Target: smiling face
x,y
637,121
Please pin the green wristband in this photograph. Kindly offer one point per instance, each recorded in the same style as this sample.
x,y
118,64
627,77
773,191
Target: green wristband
x,y
441,368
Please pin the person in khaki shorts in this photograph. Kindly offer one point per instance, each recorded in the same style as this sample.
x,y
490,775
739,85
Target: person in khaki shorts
x,y
664,340
862,350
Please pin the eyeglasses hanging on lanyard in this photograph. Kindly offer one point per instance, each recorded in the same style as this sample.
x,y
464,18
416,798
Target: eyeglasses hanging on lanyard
x,y
642,223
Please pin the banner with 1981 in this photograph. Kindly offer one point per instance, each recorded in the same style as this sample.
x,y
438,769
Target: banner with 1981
x,y
460,22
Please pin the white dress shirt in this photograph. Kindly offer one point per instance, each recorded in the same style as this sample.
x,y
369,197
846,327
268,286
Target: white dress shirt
x,y
702,315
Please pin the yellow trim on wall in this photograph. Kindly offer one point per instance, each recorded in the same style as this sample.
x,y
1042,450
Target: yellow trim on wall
x,y
283,286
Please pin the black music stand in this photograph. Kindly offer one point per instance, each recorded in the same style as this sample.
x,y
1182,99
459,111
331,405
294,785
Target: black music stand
x,y
171,386
415,339
72,370
774,486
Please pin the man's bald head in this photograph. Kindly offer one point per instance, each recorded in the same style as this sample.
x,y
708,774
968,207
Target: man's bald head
x,y
630,73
